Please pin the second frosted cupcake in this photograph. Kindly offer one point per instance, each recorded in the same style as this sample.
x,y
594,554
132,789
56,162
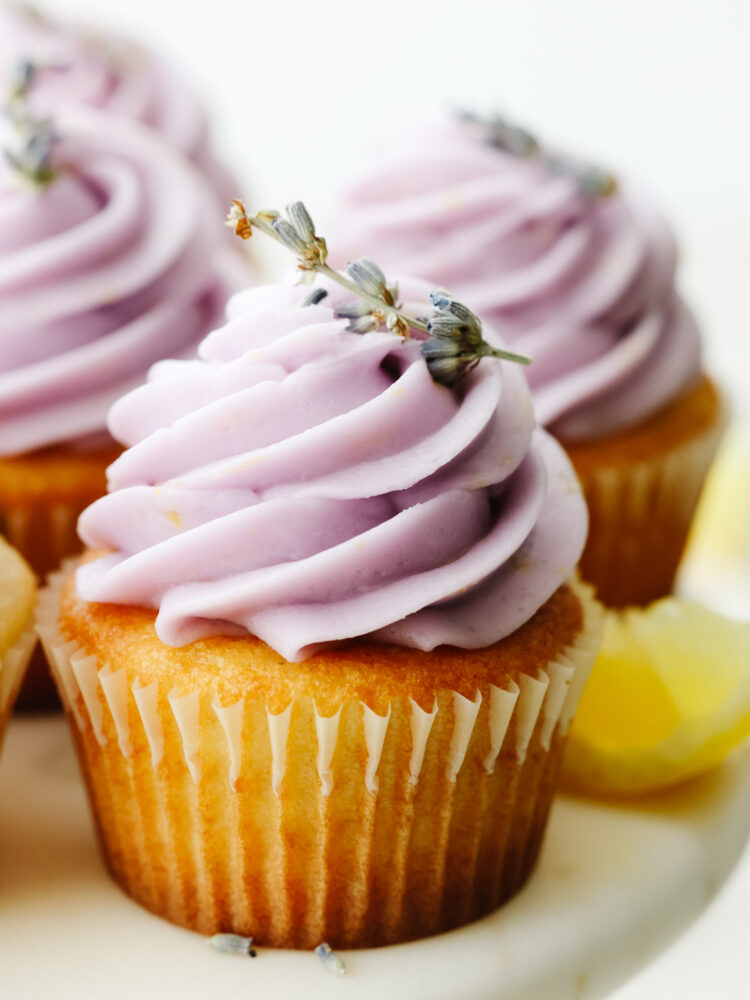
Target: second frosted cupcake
x,y
577,269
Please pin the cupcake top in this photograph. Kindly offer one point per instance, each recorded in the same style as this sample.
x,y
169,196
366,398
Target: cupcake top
x,y
112,256
569,266
310,484
73,65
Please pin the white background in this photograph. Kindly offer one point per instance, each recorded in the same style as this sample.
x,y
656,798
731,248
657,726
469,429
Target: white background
x,y
657,88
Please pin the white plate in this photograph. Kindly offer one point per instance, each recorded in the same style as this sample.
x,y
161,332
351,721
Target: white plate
x,y
614,886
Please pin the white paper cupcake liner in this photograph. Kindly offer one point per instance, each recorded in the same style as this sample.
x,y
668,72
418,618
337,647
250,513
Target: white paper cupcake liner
x,y
640,516
294,826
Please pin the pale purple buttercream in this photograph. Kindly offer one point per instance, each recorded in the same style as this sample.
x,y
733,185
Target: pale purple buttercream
x,y
78,65
311,485
583,284
119,262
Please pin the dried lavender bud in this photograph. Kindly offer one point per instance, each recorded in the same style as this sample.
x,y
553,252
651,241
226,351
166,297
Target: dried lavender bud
x,y
300,219
289,235
33,158
367,275
454,319
297,233
592,181
353,310
456,344
22,78
330,959
314,296
448,360
512,138
445,303
447,366
233,944
596,183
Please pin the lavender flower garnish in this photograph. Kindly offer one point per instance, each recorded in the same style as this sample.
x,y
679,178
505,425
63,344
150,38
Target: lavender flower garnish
x,y
454,343
592,181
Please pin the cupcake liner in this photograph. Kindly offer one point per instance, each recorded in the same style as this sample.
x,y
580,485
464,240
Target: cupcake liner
x,y
13,663
295,827
640,516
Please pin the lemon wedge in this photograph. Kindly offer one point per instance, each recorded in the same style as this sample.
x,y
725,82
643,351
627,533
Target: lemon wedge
x,y
720,532
17,593
668,698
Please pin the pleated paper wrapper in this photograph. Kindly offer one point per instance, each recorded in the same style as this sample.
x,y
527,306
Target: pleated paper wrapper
x,y
355,828
13,663
639,518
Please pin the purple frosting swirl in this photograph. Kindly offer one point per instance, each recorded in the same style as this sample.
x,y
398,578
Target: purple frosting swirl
x,y
311,485
119,262
80,66
583,284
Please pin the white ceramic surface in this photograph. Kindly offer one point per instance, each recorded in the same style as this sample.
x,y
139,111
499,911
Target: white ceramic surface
x,y
615,885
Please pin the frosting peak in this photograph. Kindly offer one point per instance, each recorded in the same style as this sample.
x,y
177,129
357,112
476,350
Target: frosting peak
x,y
583,284
312,485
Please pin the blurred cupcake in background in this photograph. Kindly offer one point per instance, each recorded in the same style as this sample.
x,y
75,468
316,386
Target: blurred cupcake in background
x,y
112,256
575,268
66,63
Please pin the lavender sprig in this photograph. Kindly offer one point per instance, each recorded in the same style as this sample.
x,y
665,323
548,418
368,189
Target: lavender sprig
x,y
592,181
454,343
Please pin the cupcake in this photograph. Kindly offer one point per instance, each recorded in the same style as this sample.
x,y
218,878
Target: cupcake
x,y
66,64
17,638
322,657
577,270
112,256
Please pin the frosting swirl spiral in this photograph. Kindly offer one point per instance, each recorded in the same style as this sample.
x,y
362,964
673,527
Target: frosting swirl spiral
x,y
77,66
310,485
583,284
120,261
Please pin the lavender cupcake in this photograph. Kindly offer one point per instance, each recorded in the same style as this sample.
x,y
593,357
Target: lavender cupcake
x,y
576,268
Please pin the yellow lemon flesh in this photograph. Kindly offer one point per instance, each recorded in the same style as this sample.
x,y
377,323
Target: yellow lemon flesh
x,y
668,698
17,590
